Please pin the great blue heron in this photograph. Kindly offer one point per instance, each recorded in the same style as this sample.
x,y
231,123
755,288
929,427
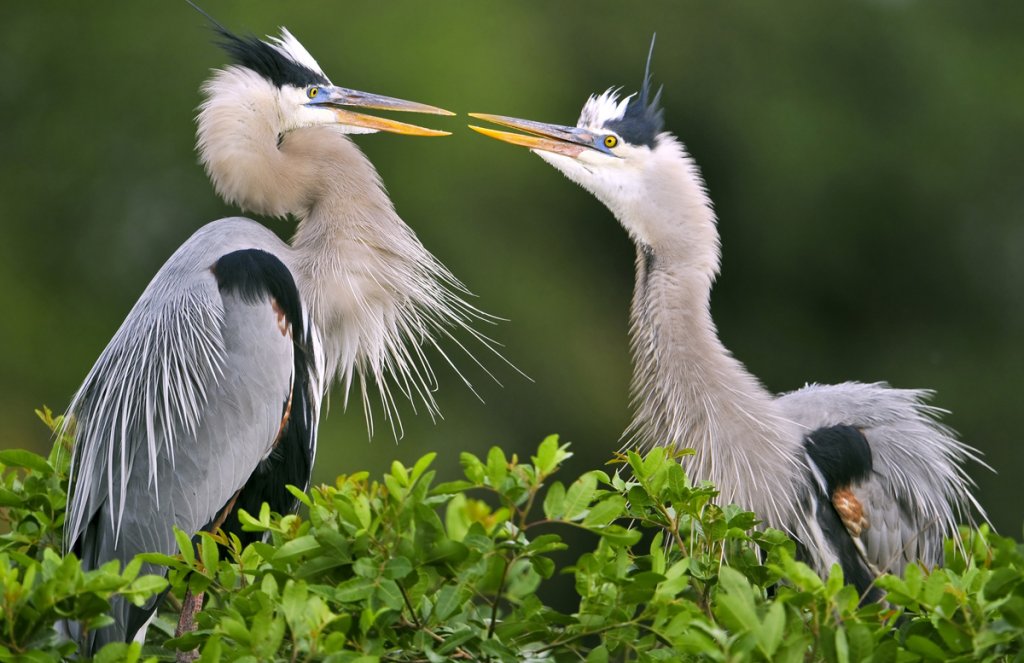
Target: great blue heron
x,y
860,474
206,400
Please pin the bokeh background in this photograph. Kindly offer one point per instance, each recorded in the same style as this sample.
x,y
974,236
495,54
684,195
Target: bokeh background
x,y
866,159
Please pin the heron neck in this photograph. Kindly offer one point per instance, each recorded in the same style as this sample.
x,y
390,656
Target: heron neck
x,y
689,391
374,291
352,253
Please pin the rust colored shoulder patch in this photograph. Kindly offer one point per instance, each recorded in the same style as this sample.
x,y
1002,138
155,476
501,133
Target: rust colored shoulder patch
x,y
851,511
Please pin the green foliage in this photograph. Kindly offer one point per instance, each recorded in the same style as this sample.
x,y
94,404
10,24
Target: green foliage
x,y
408,569
39,587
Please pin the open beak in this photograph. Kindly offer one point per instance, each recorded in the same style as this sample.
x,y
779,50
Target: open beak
x,y
570,141
339,99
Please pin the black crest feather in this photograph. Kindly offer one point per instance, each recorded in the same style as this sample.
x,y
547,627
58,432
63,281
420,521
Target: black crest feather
x,y
643,120
259,56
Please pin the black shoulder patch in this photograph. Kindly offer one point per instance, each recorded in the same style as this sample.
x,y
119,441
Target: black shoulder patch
x,y
841,453
856,572
264,59
253,274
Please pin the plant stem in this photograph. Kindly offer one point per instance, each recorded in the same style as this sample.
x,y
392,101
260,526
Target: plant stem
x,y
497,598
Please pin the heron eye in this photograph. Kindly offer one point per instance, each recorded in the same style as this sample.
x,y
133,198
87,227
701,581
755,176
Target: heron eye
x,y
313,91
610,141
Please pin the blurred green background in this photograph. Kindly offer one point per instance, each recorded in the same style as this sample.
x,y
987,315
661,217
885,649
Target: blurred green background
x,y
866,161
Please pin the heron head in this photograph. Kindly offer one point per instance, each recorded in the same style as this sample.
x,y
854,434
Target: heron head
x,y
306,97
272,128
607,151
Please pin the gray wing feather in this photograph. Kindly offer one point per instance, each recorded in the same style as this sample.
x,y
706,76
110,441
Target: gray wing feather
x,y
919,490
179,378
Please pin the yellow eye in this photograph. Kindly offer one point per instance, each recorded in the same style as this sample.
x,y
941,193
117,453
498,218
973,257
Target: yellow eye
x,y
610,141
313,91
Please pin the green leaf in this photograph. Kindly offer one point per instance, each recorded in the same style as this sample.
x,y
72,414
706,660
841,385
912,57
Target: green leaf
x,y
449,599
146,586
550,455
209,553
619,535
118,652
185,547
772,629
842,646
299,494
544,566
10,498
546,543
472,467
926,648
399,472
354,589
395,485
1002,582
389,594
914,579
26,459
605,511
397,568
159,560
451,487
579,495
497,466
305,545
554,501
293,602
422,464
736,606
249,524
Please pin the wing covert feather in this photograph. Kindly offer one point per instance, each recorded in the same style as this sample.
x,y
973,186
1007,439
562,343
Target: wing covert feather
x,y
918,490
146,402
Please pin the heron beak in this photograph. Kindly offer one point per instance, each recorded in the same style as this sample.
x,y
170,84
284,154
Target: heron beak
x,y
337,99
570,141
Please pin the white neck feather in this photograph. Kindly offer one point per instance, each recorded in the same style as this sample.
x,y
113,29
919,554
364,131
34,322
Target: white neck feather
x,y
375,294
689,391
374,290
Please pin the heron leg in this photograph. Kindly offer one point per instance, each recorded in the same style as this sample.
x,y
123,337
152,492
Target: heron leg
x,y
190,606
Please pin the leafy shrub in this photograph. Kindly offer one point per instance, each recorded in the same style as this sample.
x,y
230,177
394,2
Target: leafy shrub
x,y
408,569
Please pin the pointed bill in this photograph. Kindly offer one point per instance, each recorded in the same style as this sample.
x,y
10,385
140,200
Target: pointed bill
x,y
570,141
339,100
352,118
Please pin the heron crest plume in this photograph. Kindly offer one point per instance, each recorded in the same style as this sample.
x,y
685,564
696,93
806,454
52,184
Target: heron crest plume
x,y
636,118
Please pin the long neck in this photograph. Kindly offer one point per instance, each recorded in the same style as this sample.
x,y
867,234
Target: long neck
x,y
689,390
375,293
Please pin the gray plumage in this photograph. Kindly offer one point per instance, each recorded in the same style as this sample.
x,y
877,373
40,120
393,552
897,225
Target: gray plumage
x,y
181,406
860,474
208,395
